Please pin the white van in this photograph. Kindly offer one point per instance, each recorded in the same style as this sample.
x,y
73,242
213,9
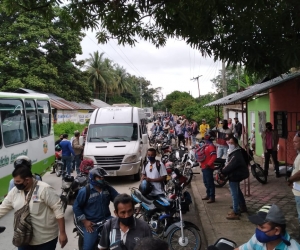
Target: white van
x,y
117,140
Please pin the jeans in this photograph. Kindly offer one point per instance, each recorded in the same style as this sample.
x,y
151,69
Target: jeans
x,y
237,196
267,160
77,160
50,245
194,140
208,179
67,160
90,239
222,151
297,199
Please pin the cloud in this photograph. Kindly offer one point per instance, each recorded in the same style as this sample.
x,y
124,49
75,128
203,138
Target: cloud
x,y
171,67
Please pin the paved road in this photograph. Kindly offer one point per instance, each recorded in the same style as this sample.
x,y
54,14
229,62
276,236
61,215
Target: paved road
x,y
122,185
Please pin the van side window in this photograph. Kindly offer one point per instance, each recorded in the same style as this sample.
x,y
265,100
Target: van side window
x,y
32,120
44,114
13,122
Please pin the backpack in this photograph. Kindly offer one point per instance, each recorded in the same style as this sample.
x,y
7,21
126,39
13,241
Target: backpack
x,y
245,156
200,153
157,165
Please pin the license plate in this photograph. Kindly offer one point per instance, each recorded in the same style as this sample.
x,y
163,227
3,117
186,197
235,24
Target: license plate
x,y
111,173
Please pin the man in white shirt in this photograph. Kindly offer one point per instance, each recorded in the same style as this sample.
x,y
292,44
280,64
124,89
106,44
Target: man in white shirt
x,y
155,172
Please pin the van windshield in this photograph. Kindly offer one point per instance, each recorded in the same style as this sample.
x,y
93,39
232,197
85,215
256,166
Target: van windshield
x,y
113,132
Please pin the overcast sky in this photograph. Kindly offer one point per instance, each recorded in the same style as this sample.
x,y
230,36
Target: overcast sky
x,y
170,67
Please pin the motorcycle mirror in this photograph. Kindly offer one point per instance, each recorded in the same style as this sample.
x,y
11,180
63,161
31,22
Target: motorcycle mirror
x,y
225,244
2,229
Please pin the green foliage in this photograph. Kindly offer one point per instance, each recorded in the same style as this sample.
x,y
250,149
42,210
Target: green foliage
x,y
262,35
41,56
175,96
68,128
236,79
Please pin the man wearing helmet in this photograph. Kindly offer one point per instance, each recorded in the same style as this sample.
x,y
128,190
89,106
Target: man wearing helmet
x,y
155,172
20,161
92,205
207,166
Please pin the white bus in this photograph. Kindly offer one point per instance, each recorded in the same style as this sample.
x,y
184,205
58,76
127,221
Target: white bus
x,y
25,129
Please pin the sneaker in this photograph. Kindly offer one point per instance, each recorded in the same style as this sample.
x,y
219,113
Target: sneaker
x,y
232,216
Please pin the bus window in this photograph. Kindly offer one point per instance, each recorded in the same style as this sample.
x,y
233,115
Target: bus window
x,y
32,121
13,122
44,113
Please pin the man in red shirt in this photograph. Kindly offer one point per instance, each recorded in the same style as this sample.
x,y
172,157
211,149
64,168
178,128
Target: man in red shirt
x,y
207,166
270,140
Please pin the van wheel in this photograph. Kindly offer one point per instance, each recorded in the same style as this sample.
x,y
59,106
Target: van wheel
x,y
137,176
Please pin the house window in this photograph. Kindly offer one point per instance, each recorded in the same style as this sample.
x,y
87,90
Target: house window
x,y
280,123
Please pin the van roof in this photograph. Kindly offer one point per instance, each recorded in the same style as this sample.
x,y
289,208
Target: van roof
x,y
114,115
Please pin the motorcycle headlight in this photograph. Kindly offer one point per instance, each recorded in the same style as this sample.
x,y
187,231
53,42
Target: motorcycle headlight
x,y
131,158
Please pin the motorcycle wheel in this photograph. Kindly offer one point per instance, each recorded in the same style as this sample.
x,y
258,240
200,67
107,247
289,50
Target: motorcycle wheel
x,y
188,173
58,169
218,182
258,173
192,235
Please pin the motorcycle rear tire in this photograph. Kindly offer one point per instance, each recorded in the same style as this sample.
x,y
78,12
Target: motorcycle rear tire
x,y
58,169
258,173
193,243
188,173
80,242
218,183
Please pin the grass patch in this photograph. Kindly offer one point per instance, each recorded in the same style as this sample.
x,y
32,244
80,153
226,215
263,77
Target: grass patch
x,y
67,128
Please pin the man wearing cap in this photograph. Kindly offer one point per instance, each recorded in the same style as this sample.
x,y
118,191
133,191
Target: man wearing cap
x,y
270,231
203,128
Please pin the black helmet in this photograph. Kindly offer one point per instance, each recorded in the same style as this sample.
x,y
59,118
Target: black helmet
x,y
97,172
145,187
22,160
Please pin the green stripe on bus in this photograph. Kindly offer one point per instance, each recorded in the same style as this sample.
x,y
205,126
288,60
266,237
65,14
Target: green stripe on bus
x,y
38,167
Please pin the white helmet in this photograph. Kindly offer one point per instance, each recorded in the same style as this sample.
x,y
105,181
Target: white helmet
x,y
22,160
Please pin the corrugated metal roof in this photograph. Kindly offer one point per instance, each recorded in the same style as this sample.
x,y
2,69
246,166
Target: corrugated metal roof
x,y
61,103
252,90
99,104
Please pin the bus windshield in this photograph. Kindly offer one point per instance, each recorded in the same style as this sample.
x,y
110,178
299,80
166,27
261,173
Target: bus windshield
x,y
113,132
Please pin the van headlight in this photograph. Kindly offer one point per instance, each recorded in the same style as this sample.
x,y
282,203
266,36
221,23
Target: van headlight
x,y
131,158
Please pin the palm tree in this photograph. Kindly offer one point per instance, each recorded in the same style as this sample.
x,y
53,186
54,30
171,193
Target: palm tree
x,y
101,75
122,80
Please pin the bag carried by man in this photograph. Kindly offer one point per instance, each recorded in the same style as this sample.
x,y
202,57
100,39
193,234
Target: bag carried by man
x,y
23,231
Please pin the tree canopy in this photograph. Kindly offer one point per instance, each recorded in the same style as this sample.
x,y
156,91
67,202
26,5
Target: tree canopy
x,y
262,35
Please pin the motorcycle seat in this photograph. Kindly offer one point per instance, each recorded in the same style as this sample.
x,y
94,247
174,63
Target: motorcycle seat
x,y
220,161
165,147
142,198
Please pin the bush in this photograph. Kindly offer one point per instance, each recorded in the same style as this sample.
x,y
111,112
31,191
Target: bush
x,y
67,128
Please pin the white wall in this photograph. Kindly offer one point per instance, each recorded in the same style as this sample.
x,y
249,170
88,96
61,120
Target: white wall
x,y
77,116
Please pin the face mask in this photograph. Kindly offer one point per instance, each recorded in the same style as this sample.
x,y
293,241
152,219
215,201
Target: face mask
x,y
151,158
99,183
263,238
231,147
127,221
20,186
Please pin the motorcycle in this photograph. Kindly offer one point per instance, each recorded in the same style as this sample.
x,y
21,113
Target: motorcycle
x,y
223,244
79,231
219,179
70,188
164,217
58,164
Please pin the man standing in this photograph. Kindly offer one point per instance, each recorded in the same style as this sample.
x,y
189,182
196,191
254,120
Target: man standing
x,y
155,172
77,150
46,212
59,140
270,140
270,232
67,152
203,128
92,206
237,170
294,180
238,128
223,134
207,167
123,231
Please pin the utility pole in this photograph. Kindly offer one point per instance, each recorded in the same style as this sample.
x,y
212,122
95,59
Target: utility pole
x,y
141,94
197,78
224,86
